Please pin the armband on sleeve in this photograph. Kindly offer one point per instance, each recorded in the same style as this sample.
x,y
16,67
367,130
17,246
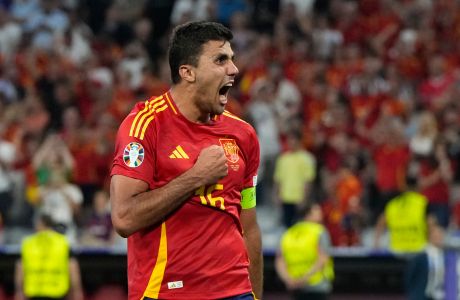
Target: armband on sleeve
x,y
248,198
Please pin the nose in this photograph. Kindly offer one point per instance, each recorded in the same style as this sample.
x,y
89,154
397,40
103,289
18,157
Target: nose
x,y
232,69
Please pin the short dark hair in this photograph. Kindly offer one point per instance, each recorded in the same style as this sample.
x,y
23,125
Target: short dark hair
x,y
186,42
307,208
46,220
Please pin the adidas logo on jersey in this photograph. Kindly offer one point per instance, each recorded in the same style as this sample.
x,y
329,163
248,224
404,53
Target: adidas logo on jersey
x,y
175,285
179,153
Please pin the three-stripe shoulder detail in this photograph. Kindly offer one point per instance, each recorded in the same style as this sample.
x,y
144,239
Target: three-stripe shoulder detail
x,y
230,115
145,116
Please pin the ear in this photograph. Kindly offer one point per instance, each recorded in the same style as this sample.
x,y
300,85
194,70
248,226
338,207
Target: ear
x,y
187,73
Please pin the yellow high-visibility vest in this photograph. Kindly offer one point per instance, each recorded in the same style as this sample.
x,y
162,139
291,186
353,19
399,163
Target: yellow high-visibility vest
x,y
406,220
299,247
45,262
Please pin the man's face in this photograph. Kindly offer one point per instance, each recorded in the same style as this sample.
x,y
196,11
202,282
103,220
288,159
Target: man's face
x,y
215,74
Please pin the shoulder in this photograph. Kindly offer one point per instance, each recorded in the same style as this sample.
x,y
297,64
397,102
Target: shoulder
x,y
305,155
28,240
59,237
238,124
144,114
416,197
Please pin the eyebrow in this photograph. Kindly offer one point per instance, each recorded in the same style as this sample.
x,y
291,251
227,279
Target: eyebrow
x,y
225,55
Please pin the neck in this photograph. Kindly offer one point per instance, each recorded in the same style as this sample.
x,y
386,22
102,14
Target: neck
x,y
185,99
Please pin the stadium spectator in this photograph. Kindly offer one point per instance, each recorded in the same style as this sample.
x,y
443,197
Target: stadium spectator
x,y
435,91
224,9
347,189
244,36
434,179
74,44
57,197
261,114
97,228
192,10
423,141
133,63
143,31
287,98
294,172
7,158
46,23
10,35
389,144
22,10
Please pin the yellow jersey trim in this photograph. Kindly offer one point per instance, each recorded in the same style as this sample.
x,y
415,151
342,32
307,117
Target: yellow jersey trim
x,y
156,278
146,115
170,103
133,124
230,115
152,110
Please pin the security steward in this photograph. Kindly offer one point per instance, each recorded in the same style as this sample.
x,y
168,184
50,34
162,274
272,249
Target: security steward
x,y
303,261
46,270
406,219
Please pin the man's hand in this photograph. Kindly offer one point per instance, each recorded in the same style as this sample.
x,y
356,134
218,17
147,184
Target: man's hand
x,y
211,164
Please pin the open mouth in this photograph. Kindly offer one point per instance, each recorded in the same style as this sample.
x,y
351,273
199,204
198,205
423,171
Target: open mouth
x,y
224,90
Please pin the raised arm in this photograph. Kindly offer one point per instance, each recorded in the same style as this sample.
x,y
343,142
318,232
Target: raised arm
x,y
134,206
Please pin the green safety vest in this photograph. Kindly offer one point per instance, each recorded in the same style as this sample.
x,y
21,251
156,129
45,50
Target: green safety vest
x,y
406,220
45,262
299,247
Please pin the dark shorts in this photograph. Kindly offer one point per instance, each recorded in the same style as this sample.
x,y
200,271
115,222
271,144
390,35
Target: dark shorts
x,y
247,296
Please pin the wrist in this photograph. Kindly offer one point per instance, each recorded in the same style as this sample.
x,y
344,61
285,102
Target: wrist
x,y
195,179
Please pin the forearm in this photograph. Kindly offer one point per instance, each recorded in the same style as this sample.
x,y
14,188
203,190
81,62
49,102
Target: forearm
x,y
75,277
67,158
147,208
445,170
378,232
281,269
18,281
254,247
318,265
425,181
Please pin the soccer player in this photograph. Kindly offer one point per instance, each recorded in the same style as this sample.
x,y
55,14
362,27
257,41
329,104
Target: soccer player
x,y
183,180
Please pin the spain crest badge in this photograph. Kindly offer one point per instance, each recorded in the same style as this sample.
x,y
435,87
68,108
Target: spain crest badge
x,y
231,149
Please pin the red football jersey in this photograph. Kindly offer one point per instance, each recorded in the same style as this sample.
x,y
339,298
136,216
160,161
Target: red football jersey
x,y
198,252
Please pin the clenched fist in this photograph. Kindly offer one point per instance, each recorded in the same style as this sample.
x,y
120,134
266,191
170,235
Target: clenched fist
x,y
211,164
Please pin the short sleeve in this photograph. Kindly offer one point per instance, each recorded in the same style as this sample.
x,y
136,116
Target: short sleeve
x,y
134,157
325,241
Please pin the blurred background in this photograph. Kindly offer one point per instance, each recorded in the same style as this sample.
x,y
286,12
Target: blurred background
x,y
369,87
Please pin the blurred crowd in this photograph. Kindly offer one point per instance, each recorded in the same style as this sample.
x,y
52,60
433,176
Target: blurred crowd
x,y
367,90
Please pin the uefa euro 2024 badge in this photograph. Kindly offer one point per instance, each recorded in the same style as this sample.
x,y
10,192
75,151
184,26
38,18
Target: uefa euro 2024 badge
x,y
133,155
